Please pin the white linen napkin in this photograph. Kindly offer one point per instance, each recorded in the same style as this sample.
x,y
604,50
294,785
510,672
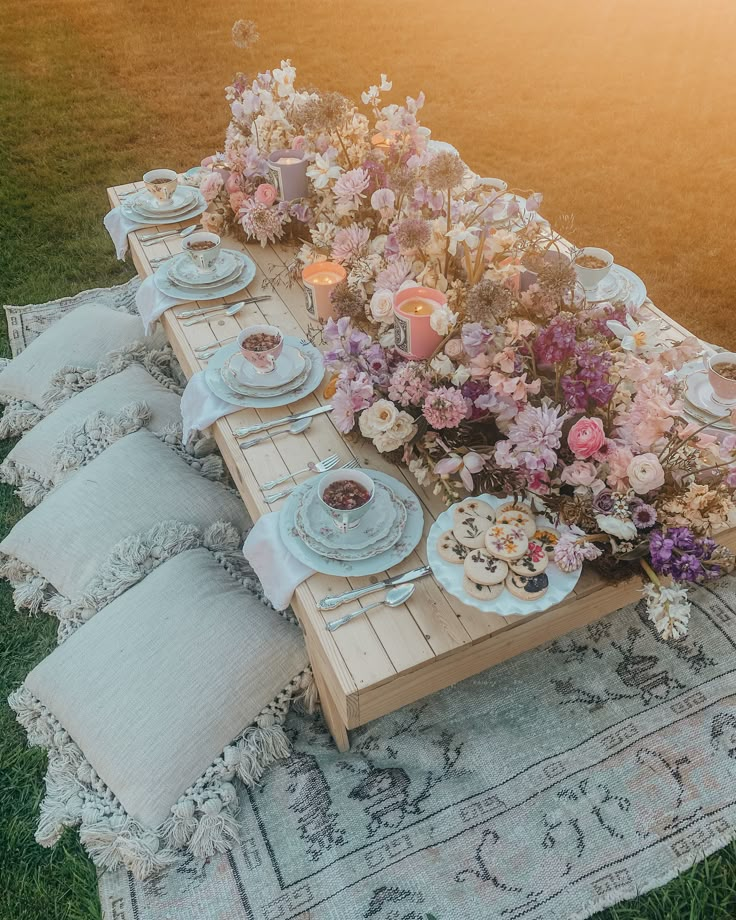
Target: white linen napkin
x,y
200,407
152,302
279,571
118,226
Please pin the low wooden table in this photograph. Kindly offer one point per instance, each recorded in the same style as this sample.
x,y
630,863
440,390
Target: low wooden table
x,y
386,658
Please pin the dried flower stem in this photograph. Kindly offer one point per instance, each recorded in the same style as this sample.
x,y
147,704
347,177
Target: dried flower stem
x,y
344,148
449,228
651,574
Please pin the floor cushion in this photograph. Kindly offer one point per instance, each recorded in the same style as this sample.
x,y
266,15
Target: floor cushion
x,y
91,534
152,708
79,339
64,439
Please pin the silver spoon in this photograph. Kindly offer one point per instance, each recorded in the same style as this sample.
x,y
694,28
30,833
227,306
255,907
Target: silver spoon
x,y
294,428
393,598
204,317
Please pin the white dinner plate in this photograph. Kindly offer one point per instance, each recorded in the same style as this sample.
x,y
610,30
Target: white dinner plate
x,y
619,284
354,568
450,575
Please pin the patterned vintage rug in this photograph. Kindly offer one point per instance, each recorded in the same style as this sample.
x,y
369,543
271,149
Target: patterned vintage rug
x,y
548,788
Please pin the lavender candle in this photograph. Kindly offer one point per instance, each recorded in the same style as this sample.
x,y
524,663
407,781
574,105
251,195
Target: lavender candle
x,y
288,170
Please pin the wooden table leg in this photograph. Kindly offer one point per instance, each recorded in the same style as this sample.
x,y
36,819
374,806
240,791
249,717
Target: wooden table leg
x,y
337,728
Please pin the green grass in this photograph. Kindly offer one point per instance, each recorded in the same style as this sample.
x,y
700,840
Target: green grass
x,y
78,114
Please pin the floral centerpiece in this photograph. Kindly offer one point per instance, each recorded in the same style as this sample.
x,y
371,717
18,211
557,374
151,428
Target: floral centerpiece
x,y
530,389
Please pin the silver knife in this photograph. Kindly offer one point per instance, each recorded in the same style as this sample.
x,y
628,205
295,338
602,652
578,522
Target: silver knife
x,y
286,420
329,603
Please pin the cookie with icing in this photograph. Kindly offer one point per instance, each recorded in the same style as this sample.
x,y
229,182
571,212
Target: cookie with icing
x,y
470,530
483,569
476,507
482,592
516,506
548,540
527,589
533,562
506,541
520,517
450,550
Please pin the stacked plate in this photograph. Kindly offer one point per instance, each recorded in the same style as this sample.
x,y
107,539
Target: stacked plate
x,y
142,208
619,284
384,537
699,400
180,278
298,372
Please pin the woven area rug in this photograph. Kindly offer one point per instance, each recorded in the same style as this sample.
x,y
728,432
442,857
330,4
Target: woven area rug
x,y
570,778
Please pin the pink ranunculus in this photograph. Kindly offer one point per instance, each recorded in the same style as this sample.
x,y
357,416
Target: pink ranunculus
x,y
266,194
586,437
233,184
618,459
210,186
236,200
454,348
645,473
579,473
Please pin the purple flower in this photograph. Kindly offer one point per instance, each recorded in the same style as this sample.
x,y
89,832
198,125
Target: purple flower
x,y
533,439
345,343
474,338
555,343
603,502
445,407
353,392
644,516
678,553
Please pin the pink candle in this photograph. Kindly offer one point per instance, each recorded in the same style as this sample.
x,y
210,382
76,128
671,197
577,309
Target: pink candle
x,y
320,280
288,170
413,309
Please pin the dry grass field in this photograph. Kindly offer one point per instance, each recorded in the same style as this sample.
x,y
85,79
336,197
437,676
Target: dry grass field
x,y
623,112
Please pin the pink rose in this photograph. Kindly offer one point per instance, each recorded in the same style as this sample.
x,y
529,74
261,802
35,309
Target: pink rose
x,y
236,200
619,458
579,473
645,473
232,184
586,437
454,348
266,194
210,186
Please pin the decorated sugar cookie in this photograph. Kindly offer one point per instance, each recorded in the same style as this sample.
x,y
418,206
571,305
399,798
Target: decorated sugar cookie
x,y
506,541
548,540
476,507
483,569
527,589
533,562
470,530
482,592
450,550
520,517
516,506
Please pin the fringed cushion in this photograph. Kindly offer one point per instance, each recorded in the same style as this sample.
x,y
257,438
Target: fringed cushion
x,y
77,549
79,339
153,709
75,432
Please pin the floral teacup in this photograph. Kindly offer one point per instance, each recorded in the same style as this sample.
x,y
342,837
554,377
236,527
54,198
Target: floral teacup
x,y
346,495
161,184
204,249
599,265
722,377
261,346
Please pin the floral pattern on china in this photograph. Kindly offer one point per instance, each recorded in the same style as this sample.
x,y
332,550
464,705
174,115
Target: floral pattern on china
x,y
531,388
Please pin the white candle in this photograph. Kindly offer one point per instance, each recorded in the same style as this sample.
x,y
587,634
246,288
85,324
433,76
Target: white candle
x,y
288,161
325,278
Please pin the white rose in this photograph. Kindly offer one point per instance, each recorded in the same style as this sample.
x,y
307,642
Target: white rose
x,y
441,364
382,305
386,441
645,473
404,427
616,527
379,418
442,319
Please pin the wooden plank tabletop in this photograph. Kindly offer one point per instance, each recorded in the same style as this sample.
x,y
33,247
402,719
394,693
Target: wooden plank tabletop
x,y
384,643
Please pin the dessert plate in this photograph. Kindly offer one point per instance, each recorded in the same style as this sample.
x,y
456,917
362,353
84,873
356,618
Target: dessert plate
x,y
182,199
183,269
619,284
450,575
289,365
407,541
311,382
198,206
211,292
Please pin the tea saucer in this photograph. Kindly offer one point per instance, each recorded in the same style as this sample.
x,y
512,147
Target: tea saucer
x,y
314,522
182,269
289,365
194,209
241,390
619,284
372,565
148,205
699,393
186,292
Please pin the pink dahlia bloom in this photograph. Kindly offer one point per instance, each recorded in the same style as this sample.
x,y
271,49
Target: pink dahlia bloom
x,y
350,243
445,407
349,188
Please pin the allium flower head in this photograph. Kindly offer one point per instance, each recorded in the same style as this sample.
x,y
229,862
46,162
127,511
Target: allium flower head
x,y
327,112
245,33
445,407
347,300
413,233
445,171
487,302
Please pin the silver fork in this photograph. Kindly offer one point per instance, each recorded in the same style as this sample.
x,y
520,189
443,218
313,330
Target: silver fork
x,y
350,465
321,467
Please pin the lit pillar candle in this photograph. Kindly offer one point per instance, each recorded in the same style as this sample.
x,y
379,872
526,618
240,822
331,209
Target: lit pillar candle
x,y
288,170
413,309
320,280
